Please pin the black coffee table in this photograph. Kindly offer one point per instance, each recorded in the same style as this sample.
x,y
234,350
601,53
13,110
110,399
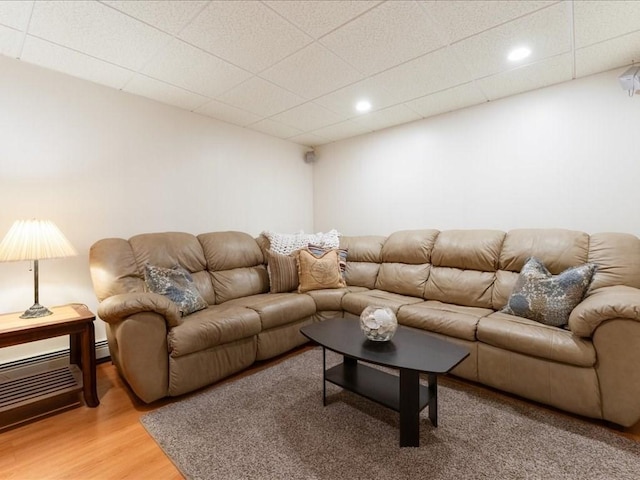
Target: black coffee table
x,y
411,351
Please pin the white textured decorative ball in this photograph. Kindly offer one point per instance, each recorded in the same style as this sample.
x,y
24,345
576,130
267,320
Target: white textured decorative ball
x,y
378,323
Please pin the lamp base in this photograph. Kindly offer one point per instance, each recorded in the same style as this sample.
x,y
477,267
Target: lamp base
x,y
35,311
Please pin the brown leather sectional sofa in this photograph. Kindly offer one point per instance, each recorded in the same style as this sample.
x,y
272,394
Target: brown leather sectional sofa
x,y
451,283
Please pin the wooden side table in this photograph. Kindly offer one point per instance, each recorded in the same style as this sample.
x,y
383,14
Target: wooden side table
x,y
25,398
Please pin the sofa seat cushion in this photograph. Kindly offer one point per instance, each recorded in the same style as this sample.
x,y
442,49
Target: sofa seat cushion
x,y
529,337
356,302
453,320
330,299
277,309
216,325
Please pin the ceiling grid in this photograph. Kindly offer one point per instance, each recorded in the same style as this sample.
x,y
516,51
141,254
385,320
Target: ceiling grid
x,y
295,69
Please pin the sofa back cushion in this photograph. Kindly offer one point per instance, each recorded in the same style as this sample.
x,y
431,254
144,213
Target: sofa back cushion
x,y
412,247
169,249
235,263
468,249
114,269
364,255
463,269
618,258
406,257
558,249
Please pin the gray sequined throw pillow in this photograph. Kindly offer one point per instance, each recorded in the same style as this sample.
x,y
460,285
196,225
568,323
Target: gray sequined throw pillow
x,y
545,298
177,285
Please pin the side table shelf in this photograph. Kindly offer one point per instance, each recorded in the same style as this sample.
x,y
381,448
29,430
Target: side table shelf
x,y
34,396
39,395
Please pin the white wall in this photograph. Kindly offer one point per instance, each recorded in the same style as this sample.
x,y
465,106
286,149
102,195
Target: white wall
x,y
566,156
102,163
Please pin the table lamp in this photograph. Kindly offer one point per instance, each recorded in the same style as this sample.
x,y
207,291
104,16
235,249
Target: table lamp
x,y
34,240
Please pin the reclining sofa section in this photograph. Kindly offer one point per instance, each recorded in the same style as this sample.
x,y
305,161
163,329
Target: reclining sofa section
x,y
451,283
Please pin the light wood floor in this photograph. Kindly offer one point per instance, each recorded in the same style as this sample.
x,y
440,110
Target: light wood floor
x,y
107,442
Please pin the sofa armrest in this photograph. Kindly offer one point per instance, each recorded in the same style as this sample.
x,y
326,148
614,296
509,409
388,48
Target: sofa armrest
x,y
118,307
603,304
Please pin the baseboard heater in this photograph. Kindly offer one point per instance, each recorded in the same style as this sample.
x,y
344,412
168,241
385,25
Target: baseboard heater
x,y
49,360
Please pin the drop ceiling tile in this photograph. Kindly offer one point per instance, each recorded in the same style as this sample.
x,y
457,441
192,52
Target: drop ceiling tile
x,y
343,101
463,18
163,92
319,17
596,21
261,97
546,33
447,100
10,41
309,139
531,77
621,51
193,69
15,14
386,118
385,36
276,129
308,116
424,75
97,30
55,57
170,16
311,72
227,113
398,41
342,130
245,33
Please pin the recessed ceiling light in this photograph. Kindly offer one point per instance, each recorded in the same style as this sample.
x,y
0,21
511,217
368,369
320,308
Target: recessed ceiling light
x,y
519,53
363,106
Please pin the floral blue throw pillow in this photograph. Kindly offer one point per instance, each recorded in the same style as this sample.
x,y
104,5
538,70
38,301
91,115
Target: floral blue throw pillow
x,y
545,298
177,285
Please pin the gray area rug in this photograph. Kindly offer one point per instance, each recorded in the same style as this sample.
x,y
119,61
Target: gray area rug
x,y
272,425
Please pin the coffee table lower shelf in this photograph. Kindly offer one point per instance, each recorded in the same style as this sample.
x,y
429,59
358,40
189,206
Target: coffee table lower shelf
x,y
373,384
403,394
410,353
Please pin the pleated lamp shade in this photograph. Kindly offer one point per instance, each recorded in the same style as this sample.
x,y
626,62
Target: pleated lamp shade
x,y
34,240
